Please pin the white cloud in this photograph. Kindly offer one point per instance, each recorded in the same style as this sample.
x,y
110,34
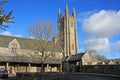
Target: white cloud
x,y
18,35
83,15
117,46
100,44
8,33
103,24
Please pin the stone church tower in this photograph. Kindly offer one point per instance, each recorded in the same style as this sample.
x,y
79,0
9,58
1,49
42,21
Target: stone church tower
x,y
67,36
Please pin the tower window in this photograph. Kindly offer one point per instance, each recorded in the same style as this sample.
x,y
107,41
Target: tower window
x,y
14,49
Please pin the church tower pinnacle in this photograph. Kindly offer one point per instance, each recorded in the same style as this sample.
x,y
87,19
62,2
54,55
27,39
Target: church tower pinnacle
x,y
66,10
59,13
74,13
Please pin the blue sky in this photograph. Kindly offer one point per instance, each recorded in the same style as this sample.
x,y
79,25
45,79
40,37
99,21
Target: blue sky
x,y
98,25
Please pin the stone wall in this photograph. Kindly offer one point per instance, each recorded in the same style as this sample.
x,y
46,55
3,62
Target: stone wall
x,y
104,69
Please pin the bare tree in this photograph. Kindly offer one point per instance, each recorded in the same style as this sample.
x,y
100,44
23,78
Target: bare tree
x,y
42,46
4,17
60,43
95,55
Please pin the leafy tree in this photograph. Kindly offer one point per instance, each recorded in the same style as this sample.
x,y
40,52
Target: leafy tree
x,y
5,17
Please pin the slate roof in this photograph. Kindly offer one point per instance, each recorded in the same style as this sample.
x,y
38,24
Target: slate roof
x,y
22,59
76,57
64,58
5,40
24,42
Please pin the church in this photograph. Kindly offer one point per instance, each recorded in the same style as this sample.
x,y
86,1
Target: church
x,y
15,58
